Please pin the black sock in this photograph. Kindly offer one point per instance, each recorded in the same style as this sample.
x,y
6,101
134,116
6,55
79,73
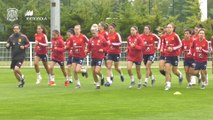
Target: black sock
x,y
163,72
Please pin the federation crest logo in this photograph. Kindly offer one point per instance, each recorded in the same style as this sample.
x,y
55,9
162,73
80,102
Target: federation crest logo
x,y
12,14
19,40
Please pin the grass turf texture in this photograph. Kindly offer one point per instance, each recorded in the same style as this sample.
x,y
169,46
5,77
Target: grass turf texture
x,y
118,102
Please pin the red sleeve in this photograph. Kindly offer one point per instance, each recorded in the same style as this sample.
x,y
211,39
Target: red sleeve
x,y
60,48
139,44
105,44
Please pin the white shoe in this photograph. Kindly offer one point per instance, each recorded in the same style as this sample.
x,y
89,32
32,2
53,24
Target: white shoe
x,y
167,88
38,81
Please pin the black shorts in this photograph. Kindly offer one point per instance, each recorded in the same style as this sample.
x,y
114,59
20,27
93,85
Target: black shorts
x,y
162,58
43,57
200,65
17,63
147,58
173,60
60,63
96,62
113,57
189,63
77,60
136,63
69,60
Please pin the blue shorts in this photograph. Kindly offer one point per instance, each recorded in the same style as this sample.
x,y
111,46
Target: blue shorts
x,y
189,63
147,58
113,57
173,60
43,57
162,58
96,62
77,60
60,63
200,65
69,60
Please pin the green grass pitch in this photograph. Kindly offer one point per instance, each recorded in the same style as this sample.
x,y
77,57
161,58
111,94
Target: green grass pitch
x,y
118,102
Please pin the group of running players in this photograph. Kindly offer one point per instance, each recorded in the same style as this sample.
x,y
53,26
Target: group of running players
x,y
104,45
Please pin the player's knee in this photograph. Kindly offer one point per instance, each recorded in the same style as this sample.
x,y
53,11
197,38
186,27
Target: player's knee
x,y
96,71
16,69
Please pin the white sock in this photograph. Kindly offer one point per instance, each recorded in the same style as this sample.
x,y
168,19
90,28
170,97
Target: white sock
x,y
146,80
97,84
132,78
193,79
83,70
109,80
168,84
66,78
38,74
139,81
111,73
50,77
152,77
70,78
199,76
53,77
203,83
180,73
78,82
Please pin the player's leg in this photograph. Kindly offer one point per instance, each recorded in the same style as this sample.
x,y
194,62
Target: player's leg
x,y
188,76
138,71
52,78
148,72
168,69
97,72
77,70
69,69
177,72
129,69
118,69
46,66
109,71
66,83
36,66
162,66
17,72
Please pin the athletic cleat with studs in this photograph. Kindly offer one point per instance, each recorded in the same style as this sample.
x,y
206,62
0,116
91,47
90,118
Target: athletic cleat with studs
x,y
21,82
167,88
181,79
145,84
203,87
139,86
132,84
122,78
152,82
51,83
189,86
98,87
38,80
102,81
78,86
107,84
66,83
